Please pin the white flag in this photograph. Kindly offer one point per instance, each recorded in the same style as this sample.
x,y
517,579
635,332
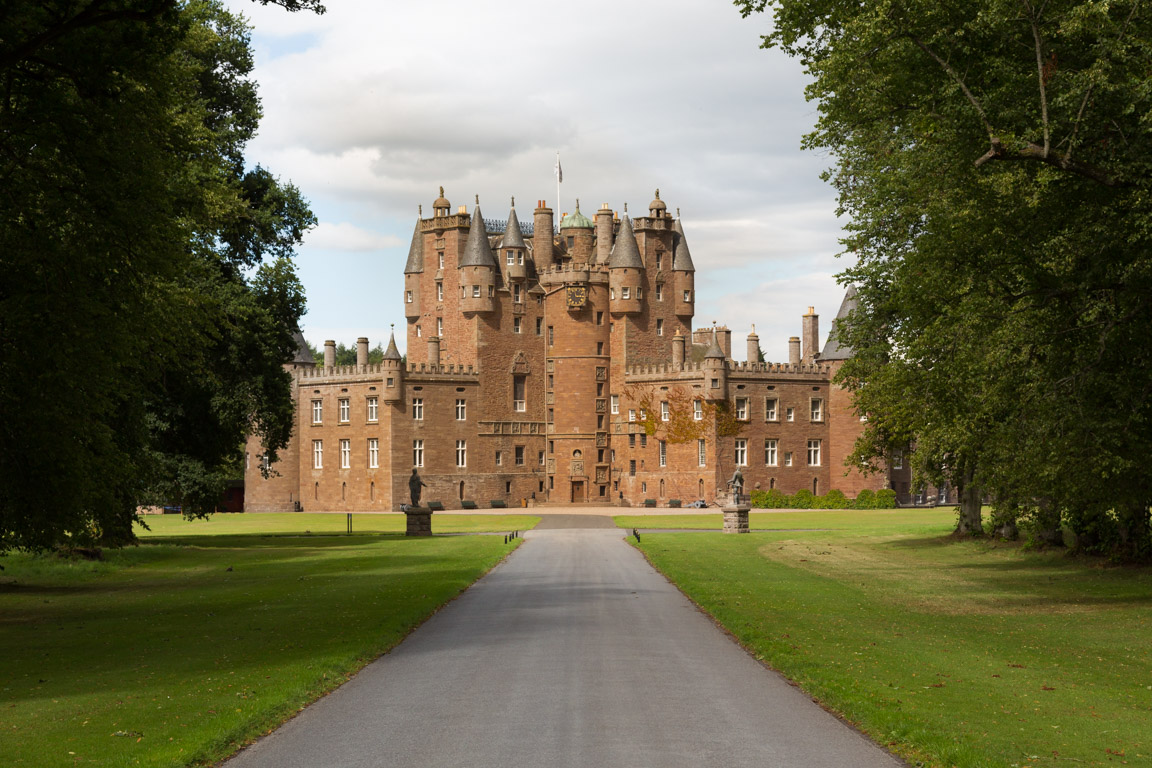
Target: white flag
x,y
559,170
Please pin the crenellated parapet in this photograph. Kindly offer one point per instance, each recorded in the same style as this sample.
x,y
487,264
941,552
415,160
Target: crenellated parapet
x,y
439,224
340,373
417,371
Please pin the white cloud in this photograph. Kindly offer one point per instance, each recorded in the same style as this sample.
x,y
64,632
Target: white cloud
x,y
343,236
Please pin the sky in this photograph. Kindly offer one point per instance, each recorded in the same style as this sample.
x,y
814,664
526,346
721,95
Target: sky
x,y
373,106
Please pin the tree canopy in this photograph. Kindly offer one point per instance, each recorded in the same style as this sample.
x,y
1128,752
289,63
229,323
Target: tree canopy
x,y
992,158
149,298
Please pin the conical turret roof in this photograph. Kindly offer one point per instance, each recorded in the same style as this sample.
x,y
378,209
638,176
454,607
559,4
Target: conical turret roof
x,y
392,353
714,350
833,348
415,252
681,258
513,238
477,251
625,252
303,353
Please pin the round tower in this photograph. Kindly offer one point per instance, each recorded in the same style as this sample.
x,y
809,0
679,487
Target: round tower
x,y
576,232
513,252
715,371
683,275
625,272
477,269
413,273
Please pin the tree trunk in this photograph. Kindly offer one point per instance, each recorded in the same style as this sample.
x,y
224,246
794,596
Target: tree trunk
x,y
969,521
1049,532
1133,525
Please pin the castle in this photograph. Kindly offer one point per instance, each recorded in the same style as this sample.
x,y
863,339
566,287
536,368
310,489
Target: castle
x,y
560,365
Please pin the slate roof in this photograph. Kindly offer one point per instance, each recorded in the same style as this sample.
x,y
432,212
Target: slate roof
x,y
415,252
681,258
513,238
392,353
625,252
303,353
477,251
833,349
714,348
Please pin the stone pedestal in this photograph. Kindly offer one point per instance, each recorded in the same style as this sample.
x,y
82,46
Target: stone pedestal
x,y
419,521
736,518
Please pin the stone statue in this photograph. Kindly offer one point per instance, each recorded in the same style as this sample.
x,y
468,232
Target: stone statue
x,y
736,485
414,486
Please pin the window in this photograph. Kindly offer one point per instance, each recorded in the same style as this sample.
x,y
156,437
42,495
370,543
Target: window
x,y
417,453
643,415
408,296
499,458
701,456
632,440
742,408
615,403
665,412
663,453
516,325
770,452
687,295
373,453
612,294
440,327
632,467
698,410
440,256
317,454
247,461
643,439
790,414
551,335
520,258
517,295
439,291
539,326
631,414
817,409
715,383
461,409
317,411
599,347
519,399
519,455
372,409
475,291
511,257
345,409
787,458
770,409
659,327
813,453
897,459
551,381
491,291
599,318
345,454
419,332
659,292
624,293
418,409
461,453
659,259
741,453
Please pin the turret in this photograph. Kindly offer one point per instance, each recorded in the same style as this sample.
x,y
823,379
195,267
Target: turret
x,y
683,275
626,272
441,206
603,234
753,346
658,209
478,269
542,236
392,368
576,231
513,252
715,372
303,357
413,270
810,335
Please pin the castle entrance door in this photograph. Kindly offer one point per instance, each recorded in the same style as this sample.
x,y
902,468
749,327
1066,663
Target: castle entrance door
x,y
578,492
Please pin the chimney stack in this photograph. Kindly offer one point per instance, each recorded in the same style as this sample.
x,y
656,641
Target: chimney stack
x,y
330,354
810,333
434,350
794,350
678,350
362,352
753,346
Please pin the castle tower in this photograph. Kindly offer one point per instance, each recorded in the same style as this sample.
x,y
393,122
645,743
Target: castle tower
x,y
413,271
715,372
513,249
478,269
576,231
392,368
683,277
626,272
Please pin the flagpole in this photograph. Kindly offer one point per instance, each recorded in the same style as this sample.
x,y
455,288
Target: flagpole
x,y
558,172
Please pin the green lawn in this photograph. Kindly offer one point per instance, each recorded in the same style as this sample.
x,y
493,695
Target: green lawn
x,y
177,651
951,653
859,520
297,523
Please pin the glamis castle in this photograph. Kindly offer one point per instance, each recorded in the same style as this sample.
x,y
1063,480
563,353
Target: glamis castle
x,y
560,365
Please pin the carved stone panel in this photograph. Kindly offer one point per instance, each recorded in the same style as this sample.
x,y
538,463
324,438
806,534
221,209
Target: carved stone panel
x,y
601,439
601,373
601,406
601,474
577,467
551,466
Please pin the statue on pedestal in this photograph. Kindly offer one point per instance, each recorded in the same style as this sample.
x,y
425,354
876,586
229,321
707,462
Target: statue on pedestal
x,y
414,486
736,486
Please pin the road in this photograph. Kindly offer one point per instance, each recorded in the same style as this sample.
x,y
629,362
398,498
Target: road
x,y
573,652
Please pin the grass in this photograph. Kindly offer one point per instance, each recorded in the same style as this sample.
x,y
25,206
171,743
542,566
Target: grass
x,y
952,653
300,522
858,520
178,651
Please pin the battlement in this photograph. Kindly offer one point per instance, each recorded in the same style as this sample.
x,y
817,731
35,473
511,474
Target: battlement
x,y
649,222
429,370
342,373
573,272
452,221
689,369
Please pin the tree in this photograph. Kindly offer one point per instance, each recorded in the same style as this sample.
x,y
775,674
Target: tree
x,y
993,161
149,299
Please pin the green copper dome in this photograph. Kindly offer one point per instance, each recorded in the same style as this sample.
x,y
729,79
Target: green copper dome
x,y
576,219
